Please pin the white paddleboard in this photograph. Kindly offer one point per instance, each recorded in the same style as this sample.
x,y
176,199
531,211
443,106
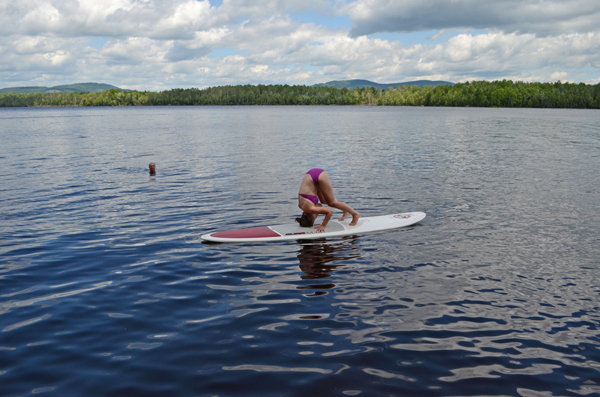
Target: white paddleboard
x,y
293,231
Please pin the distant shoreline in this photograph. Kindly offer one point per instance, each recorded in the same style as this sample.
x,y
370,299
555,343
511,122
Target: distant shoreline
x,y
507,94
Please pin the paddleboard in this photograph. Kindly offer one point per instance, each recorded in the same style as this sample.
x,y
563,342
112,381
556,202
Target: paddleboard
x,y
293,231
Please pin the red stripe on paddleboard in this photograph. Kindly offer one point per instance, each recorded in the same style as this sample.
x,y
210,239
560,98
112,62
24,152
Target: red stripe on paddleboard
x,y
253,232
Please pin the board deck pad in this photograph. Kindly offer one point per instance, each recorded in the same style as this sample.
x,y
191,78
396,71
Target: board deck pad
x,y
294,228
293,231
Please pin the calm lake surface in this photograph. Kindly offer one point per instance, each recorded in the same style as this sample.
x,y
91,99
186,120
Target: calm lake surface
x,y
107,289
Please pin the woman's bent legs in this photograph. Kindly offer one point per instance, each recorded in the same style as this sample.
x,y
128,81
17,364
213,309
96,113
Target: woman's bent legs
x,y
327,192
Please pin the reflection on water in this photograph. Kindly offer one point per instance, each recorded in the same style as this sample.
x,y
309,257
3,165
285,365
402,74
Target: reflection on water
x,y
102,272
318,258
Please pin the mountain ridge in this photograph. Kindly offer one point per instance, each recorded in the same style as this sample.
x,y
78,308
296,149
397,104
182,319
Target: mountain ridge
x,y
352,84
76,87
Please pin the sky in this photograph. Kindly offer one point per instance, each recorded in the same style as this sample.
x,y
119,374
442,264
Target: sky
x,y
162,44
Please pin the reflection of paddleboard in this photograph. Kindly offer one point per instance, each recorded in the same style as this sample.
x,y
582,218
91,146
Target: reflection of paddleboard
x,y
293,231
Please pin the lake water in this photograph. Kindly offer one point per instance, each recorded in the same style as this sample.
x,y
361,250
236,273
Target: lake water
x,y
107,289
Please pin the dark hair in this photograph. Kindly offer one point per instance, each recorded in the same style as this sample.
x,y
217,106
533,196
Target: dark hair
x,y
304,221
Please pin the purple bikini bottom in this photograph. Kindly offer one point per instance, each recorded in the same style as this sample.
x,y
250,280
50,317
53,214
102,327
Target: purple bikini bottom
x,y
312,198
314,174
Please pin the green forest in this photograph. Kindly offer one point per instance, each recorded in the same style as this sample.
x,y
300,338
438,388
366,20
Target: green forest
x,y
504,93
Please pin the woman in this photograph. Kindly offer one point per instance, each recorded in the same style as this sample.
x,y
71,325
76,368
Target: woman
x,y
314,187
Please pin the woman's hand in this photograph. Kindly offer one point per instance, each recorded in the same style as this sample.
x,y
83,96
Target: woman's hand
x,y
320,229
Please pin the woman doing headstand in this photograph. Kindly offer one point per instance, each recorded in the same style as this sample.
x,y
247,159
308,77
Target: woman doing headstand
x,y
314,187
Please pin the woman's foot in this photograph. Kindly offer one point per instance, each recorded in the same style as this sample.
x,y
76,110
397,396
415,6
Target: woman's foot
x,y
344,216
355,219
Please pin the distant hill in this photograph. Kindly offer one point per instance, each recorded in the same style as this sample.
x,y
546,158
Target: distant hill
x,y
78,87
352,84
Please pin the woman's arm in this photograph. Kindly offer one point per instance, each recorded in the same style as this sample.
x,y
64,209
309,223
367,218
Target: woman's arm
x,y
328,215
310,208
320,210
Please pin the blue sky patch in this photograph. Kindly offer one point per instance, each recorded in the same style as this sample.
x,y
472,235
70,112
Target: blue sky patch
x,y
98,42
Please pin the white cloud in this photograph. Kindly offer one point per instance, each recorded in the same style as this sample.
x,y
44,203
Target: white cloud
x,y
549,17
134,51
160,44
160,19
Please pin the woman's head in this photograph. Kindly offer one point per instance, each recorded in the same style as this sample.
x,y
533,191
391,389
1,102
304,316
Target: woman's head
x,y
306,220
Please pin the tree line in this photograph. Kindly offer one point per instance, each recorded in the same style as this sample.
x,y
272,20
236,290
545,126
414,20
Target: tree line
x,y
503,93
